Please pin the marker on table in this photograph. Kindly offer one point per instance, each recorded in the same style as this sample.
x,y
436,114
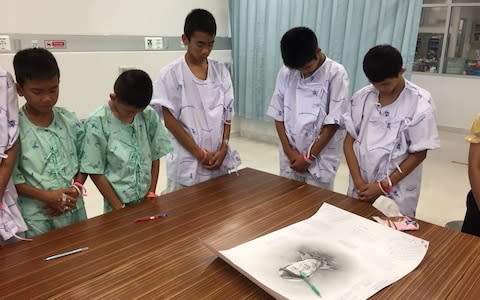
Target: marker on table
x,y
314,289
148,218
66,253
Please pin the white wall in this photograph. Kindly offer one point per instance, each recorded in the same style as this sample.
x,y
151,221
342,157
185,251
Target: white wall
x,y
87,77
104,17
457,98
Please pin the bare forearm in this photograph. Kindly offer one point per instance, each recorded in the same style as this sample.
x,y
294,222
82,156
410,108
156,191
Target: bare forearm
x,y
352,162
106,190
154,172
474,171
326,134
226,137
181,135
475,184
81,177
282,135
29,191
412,161
6,167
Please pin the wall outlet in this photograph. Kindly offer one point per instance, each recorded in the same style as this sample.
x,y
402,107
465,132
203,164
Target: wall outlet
x,y
154,43
5,45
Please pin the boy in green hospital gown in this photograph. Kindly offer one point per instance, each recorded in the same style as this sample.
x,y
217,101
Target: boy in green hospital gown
x,y
124,141
51,137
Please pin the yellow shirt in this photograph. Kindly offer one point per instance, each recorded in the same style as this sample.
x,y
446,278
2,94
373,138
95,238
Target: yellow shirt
x,y
474,136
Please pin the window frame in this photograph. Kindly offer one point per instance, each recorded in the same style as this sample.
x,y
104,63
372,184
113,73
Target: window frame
x,y
449,5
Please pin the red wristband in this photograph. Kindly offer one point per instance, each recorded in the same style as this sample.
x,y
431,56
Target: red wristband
x,y
386,186
381,188
79,187
205,155
308,160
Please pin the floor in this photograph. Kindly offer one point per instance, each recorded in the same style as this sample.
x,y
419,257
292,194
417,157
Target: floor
x,y
444,186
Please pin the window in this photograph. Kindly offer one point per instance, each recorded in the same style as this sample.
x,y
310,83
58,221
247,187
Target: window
x,y
459,52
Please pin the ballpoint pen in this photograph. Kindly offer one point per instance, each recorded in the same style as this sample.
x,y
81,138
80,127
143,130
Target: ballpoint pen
x,y
148,218
66,253
314,289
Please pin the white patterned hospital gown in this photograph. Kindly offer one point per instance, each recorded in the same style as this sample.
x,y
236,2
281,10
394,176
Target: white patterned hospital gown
x,y
201,107
305,105
384,137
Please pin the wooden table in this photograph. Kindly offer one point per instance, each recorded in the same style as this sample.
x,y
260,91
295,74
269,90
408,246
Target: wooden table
x,y
166,258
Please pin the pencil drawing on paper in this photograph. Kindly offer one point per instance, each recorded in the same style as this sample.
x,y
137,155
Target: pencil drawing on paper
x,y
327,255
308,262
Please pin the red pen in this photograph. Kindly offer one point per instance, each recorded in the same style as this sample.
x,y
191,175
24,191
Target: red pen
x,y
148,218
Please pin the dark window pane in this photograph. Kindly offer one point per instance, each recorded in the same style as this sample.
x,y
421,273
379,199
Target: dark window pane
x,y
463,44
430,39
464,1
434,1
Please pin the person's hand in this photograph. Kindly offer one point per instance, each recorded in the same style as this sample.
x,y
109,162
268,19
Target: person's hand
x,y
298,163
150,196
206,161
359,184
217,159
369,192
60,201
73,192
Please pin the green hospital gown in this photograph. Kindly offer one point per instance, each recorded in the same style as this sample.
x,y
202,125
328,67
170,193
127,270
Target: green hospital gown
x,y
49,159
124,152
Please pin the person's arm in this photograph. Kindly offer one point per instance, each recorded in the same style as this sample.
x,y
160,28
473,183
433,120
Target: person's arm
x,y
296,159
219,156
6,167
52,199
372,190
412,161
78,183
106,189
155,170
474,170
282,135
365,191
181,135
81,177
337,106
326,134
352,162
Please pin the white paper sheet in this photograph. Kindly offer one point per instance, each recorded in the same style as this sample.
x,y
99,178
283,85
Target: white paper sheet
x,y
343,255
387,206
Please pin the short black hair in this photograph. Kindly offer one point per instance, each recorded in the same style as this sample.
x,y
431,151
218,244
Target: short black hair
x,y
199,20
298,46
382,62
134,88
35,64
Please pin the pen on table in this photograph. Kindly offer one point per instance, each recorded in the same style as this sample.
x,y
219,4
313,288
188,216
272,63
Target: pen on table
x,y
314,289
66,253
148,218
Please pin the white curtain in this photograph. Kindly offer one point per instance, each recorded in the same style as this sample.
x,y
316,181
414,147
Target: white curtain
x,y
345,29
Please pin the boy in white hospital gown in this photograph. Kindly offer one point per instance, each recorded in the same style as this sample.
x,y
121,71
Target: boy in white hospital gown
x,y
310,96
11,221
390,127
194,95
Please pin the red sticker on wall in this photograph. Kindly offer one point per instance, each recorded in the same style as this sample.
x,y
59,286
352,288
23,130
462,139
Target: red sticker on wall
x,y
55,44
